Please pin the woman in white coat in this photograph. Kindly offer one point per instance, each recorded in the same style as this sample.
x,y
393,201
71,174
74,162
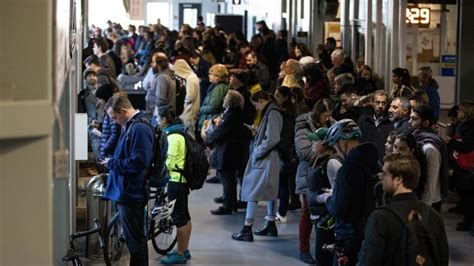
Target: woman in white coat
x,y
261,176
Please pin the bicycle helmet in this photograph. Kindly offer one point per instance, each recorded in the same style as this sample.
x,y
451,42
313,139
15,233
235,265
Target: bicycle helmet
x,y
164,211
343,129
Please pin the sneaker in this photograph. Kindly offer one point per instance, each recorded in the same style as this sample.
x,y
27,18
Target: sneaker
x,y
174,259
280,219
307,258
187,254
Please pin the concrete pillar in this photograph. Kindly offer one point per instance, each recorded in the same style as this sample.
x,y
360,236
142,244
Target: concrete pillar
x,y
395,34
402,33
465,56
316,25
368,35
378,40
26,137
354,31
345,27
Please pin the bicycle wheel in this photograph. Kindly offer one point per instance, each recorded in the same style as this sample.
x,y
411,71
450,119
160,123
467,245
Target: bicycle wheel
x,y
165,237
114,241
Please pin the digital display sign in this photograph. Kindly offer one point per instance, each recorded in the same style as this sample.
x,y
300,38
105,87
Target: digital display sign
x,y
418,16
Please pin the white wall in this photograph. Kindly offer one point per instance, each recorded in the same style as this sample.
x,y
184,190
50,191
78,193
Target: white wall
x,y
102,10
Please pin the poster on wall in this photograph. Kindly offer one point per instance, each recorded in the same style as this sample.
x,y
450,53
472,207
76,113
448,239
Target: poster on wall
x,y
428,46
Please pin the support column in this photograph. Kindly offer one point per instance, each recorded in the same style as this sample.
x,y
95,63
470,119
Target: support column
x,y
354,32
465,56
345,26
368,35
378,40
394,40
402,33
318,24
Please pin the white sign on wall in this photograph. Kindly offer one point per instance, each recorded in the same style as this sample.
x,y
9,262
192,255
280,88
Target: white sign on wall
x,y
80,136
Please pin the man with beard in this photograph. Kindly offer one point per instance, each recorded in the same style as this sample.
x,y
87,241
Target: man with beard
x,y
258,69
434,148
399,113
386,236
348,104
376,125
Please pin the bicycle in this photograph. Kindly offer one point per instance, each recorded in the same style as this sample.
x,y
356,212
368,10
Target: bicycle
x,y
72,254
159,227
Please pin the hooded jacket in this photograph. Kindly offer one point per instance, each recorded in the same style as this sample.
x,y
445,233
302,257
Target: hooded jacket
x,y
350,204
192,100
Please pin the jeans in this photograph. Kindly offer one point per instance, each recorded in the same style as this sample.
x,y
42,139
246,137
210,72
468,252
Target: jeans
x,y
132,219
251,211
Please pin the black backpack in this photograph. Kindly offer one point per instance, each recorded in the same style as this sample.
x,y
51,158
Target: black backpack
x,y
418,244
196,164
157,175
180,94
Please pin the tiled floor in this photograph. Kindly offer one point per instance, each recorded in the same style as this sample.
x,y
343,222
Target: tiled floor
x,y
211,243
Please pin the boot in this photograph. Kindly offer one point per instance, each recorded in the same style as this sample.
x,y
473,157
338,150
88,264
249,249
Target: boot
x,y
270,229
244,235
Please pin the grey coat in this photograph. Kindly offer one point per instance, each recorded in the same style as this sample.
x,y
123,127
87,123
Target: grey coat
x,y
163,88
261,176
303,146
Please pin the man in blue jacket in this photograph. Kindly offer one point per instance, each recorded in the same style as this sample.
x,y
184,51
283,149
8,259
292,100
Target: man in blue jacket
x,y
128,169
351,200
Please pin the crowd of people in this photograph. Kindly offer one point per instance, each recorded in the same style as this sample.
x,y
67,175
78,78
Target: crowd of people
x,y
285,126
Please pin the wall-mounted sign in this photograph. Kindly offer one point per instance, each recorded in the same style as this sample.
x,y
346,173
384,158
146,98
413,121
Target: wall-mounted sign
x,y
418,16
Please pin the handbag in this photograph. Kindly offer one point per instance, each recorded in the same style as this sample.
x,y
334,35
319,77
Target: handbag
x,y
465,161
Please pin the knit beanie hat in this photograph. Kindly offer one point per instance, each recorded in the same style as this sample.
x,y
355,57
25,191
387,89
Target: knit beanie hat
x,y
89,71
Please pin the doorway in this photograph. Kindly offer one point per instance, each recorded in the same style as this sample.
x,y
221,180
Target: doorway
x,y
188,14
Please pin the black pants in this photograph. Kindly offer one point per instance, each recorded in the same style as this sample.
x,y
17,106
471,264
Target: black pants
x,y
467,201
229,184
287,172
132,218
323,236
351,248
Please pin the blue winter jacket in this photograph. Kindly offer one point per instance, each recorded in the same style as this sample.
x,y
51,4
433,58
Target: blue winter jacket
x,y
128,167
348,202
109,138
